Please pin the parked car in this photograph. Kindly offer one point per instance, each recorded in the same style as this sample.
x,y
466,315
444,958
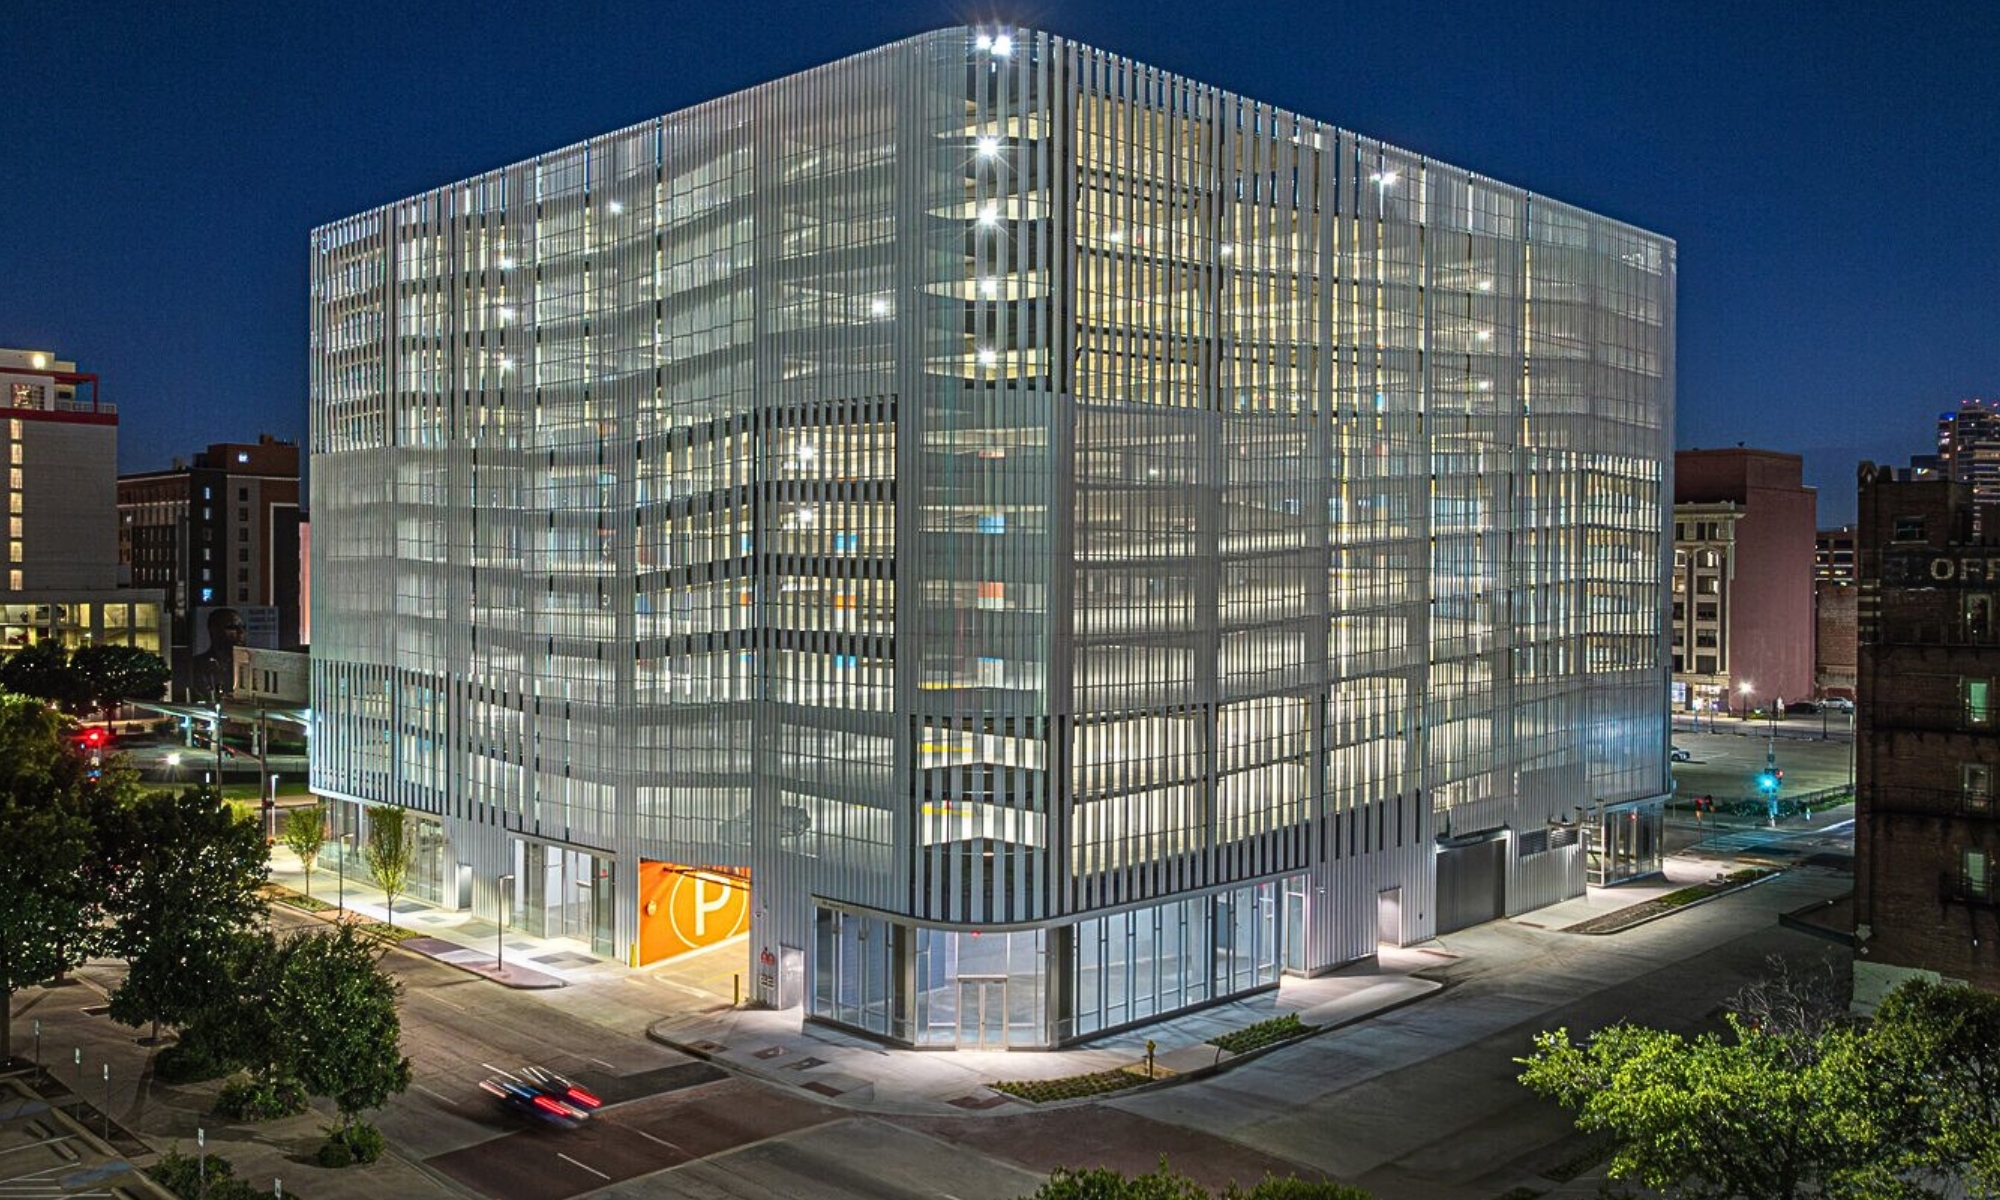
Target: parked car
x,y
1679,755
1838,704
1802,708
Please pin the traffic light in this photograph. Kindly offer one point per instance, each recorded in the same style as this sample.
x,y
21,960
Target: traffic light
x,y
1769,781
94,738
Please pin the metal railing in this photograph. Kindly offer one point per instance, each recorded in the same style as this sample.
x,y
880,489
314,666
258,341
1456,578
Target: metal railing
x,y
1935,802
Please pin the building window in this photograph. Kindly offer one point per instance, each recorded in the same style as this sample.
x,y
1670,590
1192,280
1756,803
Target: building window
x,y
1978,617
1978,701
242,493
243,515
14,581
1976,785
1909,529
243,554
242,594
1975,874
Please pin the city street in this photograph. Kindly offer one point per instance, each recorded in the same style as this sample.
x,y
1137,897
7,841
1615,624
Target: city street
x,y
1416,1103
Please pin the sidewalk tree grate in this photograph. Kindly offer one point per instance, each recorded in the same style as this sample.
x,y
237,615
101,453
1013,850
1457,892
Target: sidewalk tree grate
x,y
807,1064
770,1052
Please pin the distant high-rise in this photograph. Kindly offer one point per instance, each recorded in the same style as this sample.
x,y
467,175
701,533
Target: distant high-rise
x,y
1969,448
220,532
1074,543
60,576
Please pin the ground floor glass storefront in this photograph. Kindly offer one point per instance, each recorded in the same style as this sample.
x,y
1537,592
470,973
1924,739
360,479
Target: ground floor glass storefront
x,y
1623,842
1015,988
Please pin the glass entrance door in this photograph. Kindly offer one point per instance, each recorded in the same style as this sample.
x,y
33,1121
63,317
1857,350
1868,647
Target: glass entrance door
x,y
982,1012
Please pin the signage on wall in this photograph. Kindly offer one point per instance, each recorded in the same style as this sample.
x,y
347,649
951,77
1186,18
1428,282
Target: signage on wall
x,y
1931,568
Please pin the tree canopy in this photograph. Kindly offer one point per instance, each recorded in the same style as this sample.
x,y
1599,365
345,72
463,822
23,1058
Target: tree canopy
x,y
191,877
48,906
1165,1183
390,848
335,1012
1906,1105
107,676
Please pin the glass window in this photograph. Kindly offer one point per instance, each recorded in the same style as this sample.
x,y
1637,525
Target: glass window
x,y
1909,529
1978,703
1976,785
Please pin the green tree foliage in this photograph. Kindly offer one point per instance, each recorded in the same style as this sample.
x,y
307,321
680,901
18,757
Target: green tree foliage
x,y
48,903
1935,1049
1164,1183
1905,1106
338,1032
107,676
304,834
42,670
390,849
190,882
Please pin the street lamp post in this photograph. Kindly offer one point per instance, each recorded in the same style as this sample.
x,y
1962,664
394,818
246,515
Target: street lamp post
x,y
345,840
1744,689
500,915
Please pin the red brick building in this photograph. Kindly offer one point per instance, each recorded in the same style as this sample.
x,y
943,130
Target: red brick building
x,y
1927,742
1744,526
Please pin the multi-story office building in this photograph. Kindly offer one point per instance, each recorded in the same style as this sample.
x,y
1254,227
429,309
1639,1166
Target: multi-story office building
x,y
219,532
1743,579
1968,440
1927,748
61,575
1083,542
1835,613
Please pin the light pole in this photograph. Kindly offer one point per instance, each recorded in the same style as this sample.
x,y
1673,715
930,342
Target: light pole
x,y
1744,688
341,909
500,914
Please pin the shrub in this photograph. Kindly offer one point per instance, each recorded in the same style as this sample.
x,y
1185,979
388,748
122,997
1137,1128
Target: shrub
x,y
261,1099
334,1153
1263,1033
181,1174
188,1061
346,1145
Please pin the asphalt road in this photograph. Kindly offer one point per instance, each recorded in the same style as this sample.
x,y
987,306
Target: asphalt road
x,y
1418,1103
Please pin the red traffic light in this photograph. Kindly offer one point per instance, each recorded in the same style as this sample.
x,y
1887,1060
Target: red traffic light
x,y
94,738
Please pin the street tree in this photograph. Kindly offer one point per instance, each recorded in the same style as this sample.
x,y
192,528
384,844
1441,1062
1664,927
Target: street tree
x,y
304,834
48,906
107,676
391,848
335,1024
42,669
192,880
1719,1116
1933,1050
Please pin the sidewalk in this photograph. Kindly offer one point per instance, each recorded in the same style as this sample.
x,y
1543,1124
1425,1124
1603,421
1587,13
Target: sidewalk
x,y
852,1072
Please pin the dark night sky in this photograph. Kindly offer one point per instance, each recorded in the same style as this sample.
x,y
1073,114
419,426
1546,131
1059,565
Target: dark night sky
x,y
1831,171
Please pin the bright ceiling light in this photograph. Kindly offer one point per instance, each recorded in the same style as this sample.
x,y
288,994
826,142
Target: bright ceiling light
x,y
878,307
1003,45
989,288
1486,285
987,357
615,207
1384,178
988,146
989,214
41,362
506,264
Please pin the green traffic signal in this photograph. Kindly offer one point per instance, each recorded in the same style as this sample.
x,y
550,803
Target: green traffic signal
x,y
1768,781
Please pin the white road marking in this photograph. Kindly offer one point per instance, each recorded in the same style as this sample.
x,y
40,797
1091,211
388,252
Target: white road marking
x,y
662,1141
440,1095
607,1066
593,1170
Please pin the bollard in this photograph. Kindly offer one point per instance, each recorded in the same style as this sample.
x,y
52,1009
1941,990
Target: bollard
x,y
1149,1057
201,1162
736,990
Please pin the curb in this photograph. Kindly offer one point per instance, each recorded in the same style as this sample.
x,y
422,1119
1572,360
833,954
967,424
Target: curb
x,y
1776,871
1018,1104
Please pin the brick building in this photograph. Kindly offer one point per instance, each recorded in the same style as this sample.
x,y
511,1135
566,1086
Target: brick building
x,y
1927,743
1743,579
1834,614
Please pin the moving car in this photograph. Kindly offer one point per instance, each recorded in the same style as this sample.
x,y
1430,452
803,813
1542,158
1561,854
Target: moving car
x,y
1802,708
1679,755
1838,704
542,1095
